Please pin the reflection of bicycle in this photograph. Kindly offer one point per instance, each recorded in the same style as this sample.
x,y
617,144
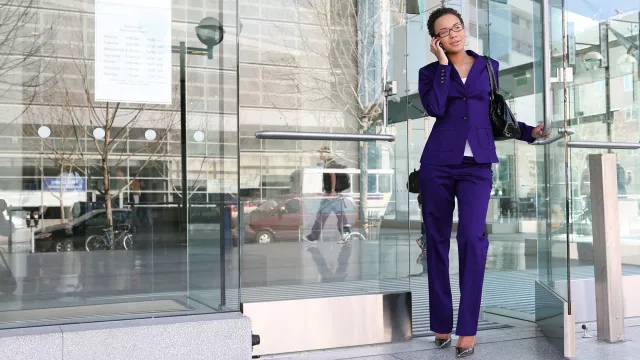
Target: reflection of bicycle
x,y
121,239
348,236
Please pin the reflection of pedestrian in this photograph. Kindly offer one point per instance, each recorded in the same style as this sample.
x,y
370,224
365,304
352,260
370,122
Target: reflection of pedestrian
x,y
331,201
142,224
505,203
135,191
623,177
326,274
5,225
8,282
422,260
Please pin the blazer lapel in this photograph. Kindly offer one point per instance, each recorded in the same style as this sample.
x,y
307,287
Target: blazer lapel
x,y
478,66
455,76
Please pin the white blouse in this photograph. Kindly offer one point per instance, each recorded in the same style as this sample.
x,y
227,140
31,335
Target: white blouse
x,y
467,148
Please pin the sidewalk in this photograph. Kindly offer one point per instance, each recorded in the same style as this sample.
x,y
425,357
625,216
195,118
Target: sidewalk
x,y
522,343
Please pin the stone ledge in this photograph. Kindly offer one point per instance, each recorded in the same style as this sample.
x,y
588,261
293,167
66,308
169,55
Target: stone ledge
x,y
212,336
216,336
38,343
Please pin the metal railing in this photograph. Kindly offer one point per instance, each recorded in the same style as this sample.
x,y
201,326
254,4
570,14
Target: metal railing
x,y
603,145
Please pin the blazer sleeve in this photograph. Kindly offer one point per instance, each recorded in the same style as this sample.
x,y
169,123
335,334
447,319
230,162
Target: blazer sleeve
x,y
433,85
524,128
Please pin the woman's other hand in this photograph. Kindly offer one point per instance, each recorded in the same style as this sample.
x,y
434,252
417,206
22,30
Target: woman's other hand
x,y
538,132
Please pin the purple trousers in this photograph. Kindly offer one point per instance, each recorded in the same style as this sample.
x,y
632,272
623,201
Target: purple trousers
x,y
470,183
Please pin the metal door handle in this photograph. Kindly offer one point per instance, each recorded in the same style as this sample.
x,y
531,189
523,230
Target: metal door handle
x,y
303,135
554,138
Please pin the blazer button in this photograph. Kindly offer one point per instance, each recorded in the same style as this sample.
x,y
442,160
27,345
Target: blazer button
x,y
465,118
464,98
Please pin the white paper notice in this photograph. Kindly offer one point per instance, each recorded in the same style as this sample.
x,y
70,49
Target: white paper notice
x,y
133,51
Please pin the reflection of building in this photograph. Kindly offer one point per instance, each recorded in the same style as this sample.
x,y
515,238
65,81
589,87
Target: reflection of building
x,y
278,78
505,31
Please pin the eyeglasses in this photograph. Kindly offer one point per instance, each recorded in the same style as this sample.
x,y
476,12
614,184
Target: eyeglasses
x,y
445,32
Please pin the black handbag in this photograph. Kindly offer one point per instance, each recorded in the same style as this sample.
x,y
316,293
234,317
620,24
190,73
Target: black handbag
x,y
413,185
503,123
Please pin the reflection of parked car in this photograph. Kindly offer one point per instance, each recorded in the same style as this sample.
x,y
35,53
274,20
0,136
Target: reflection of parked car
x,y
288,218
82,207
66,237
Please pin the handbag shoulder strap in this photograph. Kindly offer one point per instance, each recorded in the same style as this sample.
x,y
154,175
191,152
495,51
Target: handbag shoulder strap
x,y
492,78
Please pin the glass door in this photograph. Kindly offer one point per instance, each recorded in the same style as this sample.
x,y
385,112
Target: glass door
x,y
555,309
322,186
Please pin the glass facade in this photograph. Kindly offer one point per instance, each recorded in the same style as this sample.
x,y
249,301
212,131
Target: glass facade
x,y
133,183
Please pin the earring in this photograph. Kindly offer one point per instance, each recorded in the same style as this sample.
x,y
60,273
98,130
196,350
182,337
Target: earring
x,y
467,43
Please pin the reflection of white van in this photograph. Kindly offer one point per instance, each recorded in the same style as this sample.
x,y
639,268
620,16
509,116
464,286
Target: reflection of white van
x,y
309,181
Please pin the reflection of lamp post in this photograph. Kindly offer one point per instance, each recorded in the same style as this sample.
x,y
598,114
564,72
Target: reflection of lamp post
x,y
210,33
594,59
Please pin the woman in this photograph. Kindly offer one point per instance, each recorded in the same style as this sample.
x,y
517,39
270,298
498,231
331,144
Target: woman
x,y
456,163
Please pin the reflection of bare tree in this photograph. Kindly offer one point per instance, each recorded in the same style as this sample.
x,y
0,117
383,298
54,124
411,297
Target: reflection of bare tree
x,y
100,137
335,54
24,45
61,148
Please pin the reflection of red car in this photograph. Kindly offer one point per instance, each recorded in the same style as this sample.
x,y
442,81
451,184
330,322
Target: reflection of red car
x,y
290,218
249,204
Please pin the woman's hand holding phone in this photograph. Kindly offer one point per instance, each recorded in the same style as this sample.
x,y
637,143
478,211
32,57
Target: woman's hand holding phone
x,y
438,51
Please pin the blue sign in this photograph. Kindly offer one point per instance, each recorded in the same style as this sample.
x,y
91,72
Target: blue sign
x,y
68,183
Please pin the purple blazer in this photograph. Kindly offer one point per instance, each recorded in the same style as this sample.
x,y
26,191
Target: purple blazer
x,y
461,111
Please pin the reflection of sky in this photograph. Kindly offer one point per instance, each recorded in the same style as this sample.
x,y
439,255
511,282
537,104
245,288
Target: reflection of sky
x,y
601,9
587,30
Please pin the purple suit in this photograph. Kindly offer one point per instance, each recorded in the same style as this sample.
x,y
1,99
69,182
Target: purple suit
x,y
462,113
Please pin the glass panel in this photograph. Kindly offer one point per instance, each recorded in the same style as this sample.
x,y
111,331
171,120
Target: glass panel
x,y
552,290
604,108
94,150
413,129
319,70
552,245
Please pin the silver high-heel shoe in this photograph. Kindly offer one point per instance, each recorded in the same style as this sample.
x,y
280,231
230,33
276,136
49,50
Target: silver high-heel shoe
x,y
463,353
443,343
